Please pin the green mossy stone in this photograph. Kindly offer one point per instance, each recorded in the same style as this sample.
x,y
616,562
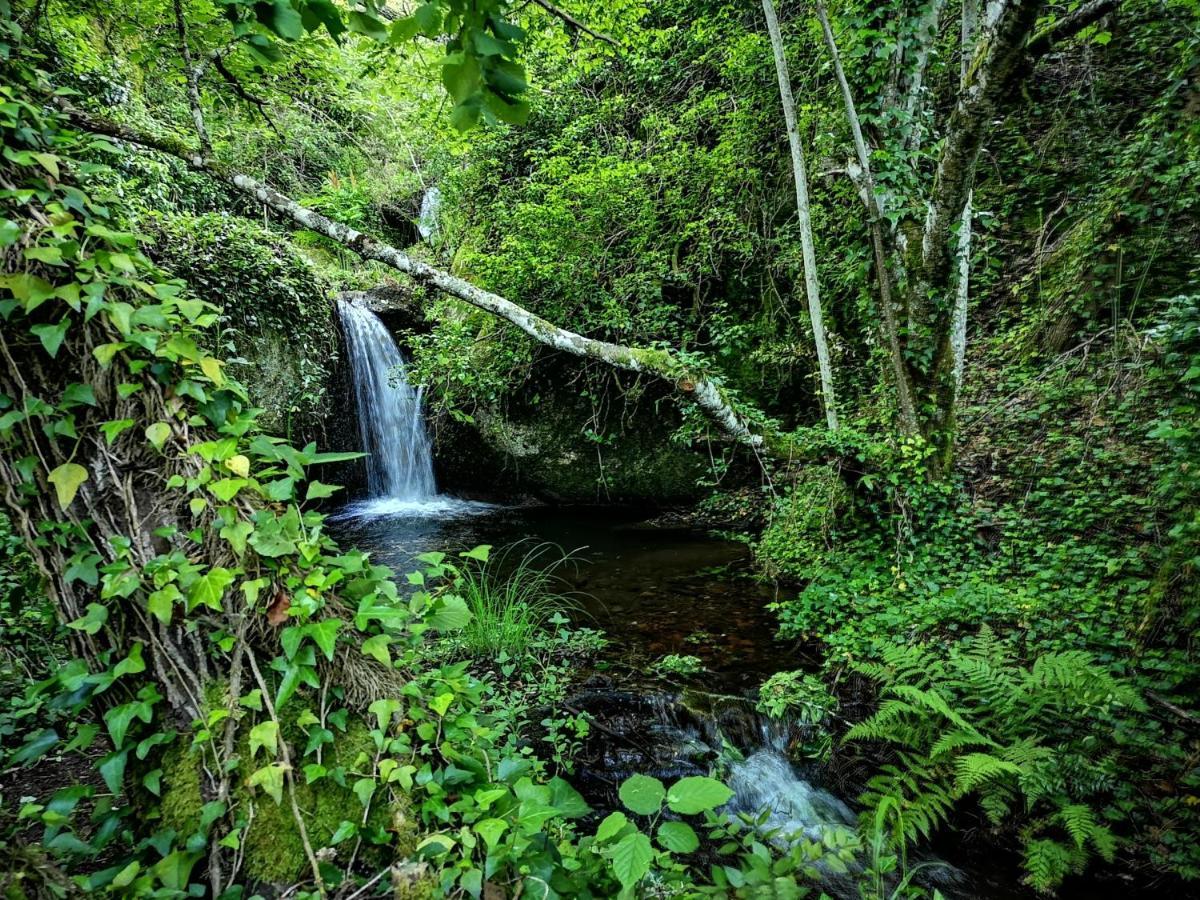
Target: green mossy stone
x,y
274,851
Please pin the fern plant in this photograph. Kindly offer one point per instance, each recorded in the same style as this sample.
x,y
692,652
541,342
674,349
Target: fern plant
x,y
1026,742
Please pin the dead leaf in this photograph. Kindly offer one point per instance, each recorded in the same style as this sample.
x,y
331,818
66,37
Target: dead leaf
x,y
277,612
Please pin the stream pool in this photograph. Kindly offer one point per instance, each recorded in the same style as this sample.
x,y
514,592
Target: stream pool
x,y
654,590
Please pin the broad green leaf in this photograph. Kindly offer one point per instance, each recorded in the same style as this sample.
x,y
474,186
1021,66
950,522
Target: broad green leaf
x,y
678,837
611,826
631,858
451,614
697,794
642,794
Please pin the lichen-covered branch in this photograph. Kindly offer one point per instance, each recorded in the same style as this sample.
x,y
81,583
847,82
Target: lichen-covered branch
x,y
691,385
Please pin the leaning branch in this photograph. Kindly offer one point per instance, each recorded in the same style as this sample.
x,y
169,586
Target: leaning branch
x,y
706,394
572,22
1069,26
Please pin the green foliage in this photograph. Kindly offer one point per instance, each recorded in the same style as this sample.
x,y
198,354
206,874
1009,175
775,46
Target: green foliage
x,y
683,666
277,323
508,598
1030,745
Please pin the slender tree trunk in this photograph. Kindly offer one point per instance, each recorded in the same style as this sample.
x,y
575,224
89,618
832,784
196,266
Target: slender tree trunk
x,y
958,328
879,243
800,175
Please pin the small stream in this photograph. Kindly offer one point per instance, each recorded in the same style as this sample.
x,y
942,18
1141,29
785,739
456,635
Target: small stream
x,y
653,590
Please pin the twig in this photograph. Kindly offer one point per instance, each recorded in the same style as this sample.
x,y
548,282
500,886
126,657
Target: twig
x,y
288,775
193,81
572,22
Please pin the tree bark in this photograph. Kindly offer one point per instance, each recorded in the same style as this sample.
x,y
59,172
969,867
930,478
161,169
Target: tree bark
x,y
880,244
800,176
696,387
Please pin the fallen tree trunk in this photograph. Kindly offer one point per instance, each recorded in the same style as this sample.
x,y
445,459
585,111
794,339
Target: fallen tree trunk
x,y
707,395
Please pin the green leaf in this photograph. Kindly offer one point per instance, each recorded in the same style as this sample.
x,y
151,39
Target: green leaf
x,y
157,434
209,590
364,790
318,491
366,24
631,858
491,830
678,837
611,826
282,18
66,480
642,794
270,779
697,794
324,633
377,648
92,621
384,710
265,734
52,336
451,614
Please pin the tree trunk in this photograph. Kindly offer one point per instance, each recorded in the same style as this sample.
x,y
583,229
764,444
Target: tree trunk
x,y
800,175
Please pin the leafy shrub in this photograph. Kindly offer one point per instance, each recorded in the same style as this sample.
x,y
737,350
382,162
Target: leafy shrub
x,y
1028,743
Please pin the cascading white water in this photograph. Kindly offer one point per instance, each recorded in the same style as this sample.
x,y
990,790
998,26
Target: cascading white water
x,y
390,423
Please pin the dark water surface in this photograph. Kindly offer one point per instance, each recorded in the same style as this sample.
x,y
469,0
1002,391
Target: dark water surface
x,y
653,590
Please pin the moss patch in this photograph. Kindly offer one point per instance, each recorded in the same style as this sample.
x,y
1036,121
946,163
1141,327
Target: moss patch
x,y
278,327
274,852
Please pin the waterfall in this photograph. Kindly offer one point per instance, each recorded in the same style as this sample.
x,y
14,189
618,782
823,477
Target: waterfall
x,y
427,219
390,424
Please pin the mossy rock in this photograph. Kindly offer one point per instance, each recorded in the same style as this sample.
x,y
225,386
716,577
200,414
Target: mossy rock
x,y
274,852
549,450
278,326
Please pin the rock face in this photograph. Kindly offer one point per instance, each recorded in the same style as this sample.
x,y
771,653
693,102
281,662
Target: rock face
x,y
277,314
547,450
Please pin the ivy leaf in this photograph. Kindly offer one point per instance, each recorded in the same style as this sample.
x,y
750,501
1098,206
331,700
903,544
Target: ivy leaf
x,y
491,830
364,790
92,621
697,794
52,336
66,480
678,837
642,794
112,770
324,633
265,734
631,858
270,779
209,590
377,648
384,710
